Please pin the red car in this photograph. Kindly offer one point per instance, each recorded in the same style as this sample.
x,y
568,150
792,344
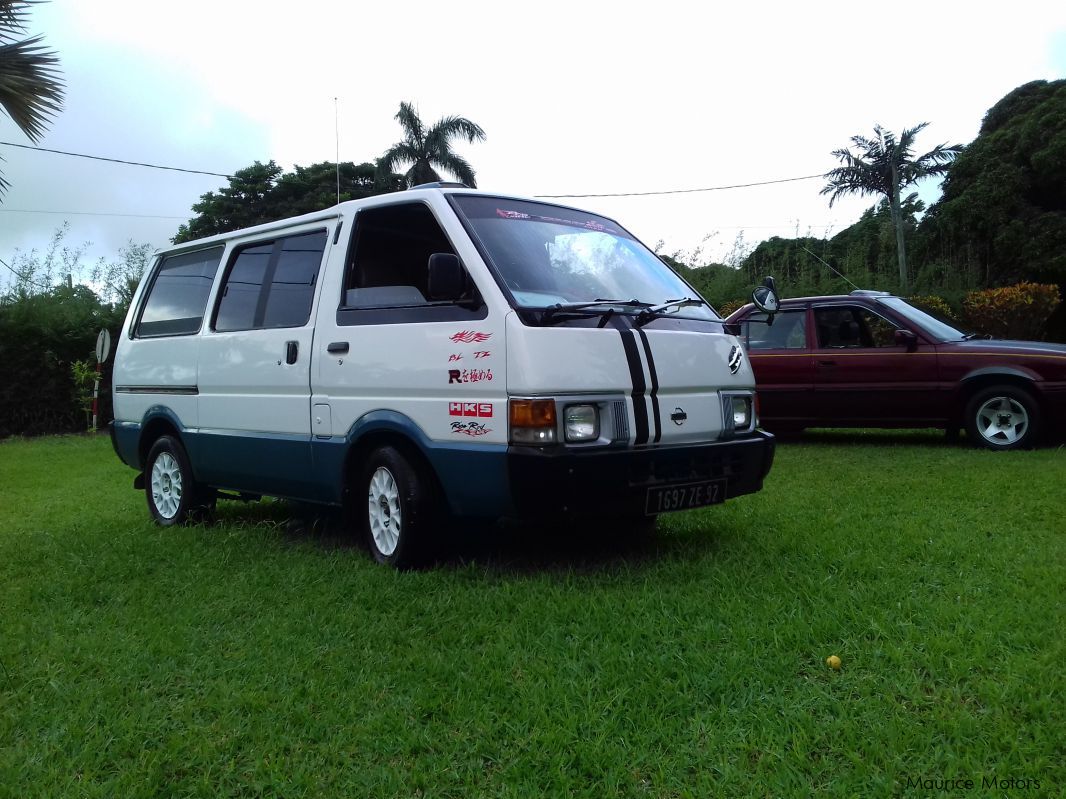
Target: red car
x,y
868,359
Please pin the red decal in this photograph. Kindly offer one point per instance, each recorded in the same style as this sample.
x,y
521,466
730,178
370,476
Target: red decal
x,y
481,410
482,354
454,357
470,337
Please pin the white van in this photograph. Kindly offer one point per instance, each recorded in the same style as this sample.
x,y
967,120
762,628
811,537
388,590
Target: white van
x,y
431,353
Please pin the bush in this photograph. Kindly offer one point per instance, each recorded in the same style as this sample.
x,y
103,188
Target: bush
x,y
729,306
1018,312
935,304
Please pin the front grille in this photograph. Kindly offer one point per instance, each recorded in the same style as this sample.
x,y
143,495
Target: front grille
x,y
621,420
664,467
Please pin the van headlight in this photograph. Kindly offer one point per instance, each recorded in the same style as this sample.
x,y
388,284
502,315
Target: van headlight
x,y
738,413
581,423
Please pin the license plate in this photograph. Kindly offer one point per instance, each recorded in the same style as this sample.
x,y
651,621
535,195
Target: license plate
x,y
682,496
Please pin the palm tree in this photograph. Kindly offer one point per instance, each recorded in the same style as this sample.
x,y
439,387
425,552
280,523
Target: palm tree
x,y
426,149
31,91
886,166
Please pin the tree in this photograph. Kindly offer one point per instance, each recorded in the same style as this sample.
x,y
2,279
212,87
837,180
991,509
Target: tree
x,y
427,149
263,193
31,90
885,166
1002,216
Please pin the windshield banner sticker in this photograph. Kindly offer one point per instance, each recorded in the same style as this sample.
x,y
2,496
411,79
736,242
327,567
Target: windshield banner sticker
x,y
591,224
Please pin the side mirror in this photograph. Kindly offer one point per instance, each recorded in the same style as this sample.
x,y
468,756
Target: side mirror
x,y
905,338
447,281
766,299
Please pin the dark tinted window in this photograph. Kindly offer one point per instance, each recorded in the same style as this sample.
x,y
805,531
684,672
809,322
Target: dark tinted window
x,y
271,284
178,296
293,286
852,327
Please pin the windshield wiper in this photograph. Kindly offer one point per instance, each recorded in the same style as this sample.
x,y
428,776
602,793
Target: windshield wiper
x,y
602,308
653,312
970,336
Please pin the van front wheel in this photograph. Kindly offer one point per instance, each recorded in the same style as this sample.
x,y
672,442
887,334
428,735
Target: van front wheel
x,y
399,508
168,484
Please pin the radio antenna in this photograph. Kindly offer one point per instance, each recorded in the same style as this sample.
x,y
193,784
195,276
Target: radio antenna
x,y
835,272
337,139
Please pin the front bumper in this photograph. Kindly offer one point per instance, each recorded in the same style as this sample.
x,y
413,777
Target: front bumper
x,y
550,482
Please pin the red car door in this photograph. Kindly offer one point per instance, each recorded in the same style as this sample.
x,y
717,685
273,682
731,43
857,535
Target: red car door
x,y
781,359
862,375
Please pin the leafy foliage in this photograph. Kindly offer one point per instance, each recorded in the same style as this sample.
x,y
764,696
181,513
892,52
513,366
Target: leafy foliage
x,y
48,329
1013,312
31,89
1002,215
264,193
429,150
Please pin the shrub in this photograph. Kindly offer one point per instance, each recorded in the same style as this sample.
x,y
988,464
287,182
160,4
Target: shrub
x,y
729,306
934,303
1020,311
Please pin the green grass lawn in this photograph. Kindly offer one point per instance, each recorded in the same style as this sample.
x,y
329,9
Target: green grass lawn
x,y
251,657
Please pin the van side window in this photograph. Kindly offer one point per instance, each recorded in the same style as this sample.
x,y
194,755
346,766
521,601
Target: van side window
x,y
387,272
271,284
178,294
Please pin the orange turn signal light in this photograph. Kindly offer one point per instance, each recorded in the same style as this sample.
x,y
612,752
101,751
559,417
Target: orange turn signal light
x,y
532,413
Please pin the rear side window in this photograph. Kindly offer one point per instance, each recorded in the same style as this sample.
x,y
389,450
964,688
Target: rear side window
x,y
178,295
271,284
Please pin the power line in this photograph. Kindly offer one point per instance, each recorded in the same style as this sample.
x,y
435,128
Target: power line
x,y
117,160
541,196
86,213
679,191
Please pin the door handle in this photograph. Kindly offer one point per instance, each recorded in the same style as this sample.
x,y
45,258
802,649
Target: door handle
x,y
337,348
292,351
827,363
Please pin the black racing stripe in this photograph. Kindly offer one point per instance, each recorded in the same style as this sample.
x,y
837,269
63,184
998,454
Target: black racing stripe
x,y
654,384
636,374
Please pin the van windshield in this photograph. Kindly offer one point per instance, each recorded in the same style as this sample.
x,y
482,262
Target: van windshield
x,y
548,255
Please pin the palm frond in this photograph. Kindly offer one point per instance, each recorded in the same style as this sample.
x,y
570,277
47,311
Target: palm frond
x,y
31,89
449,127
459,167
409,121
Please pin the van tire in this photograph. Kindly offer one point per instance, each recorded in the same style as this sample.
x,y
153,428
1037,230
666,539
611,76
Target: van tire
x,y
169,485
400,509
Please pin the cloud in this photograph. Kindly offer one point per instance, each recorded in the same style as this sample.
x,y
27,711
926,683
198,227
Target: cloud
x,y
575,98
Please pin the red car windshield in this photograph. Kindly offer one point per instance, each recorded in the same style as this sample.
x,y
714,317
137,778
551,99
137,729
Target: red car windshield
x,y
928,320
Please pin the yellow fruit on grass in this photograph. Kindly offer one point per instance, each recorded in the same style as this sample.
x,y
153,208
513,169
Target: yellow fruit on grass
x,y
833,662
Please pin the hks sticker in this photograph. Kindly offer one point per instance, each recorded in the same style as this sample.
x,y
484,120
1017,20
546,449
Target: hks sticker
x,y
482,409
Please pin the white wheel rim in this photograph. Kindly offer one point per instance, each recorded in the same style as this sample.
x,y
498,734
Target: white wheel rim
x,y
383,508
166,485
1002,421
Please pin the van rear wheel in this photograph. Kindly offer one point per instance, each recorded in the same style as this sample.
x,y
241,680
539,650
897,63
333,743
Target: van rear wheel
x,y
169,486
400,509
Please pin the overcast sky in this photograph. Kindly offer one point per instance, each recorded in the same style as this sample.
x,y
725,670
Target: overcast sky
x,y
575,98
